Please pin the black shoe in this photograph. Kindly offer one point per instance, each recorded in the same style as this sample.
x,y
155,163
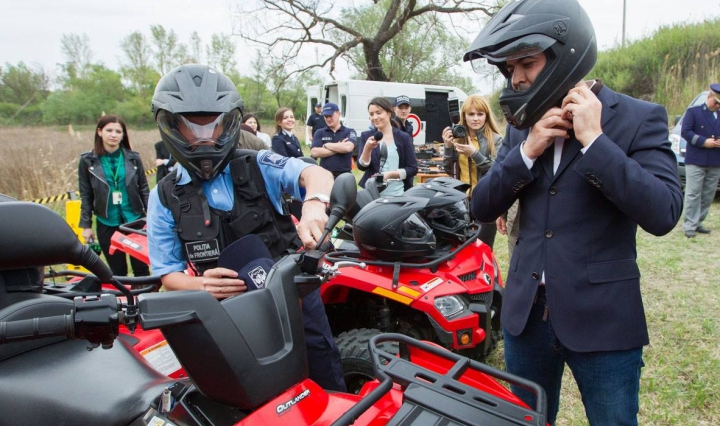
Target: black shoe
x,y
702,230
690,234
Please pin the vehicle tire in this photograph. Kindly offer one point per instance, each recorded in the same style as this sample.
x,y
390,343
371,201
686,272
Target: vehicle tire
x,y
357,364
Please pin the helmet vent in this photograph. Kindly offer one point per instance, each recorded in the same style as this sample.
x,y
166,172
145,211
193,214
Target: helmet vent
x,y
197,80
178,97
221,96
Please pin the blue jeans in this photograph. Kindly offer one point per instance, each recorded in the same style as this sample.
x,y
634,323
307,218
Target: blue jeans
x,y
609,382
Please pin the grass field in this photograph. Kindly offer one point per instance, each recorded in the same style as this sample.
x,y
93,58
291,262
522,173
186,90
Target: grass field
x,y
680,284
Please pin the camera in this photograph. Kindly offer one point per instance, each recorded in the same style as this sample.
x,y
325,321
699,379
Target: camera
x,y
458,130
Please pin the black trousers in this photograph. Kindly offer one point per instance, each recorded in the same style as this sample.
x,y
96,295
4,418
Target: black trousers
x,y
118,261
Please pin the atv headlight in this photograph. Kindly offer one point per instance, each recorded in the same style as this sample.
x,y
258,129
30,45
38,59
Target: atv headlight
x,y
449,305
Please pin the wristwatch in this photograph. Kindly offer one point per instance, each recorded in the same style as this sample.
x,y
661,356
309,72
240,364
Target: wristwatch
x,y
320,197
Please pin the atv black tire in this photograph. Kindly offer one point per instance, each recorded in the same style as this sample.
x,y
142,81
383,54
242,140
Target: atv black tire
x,y
357,364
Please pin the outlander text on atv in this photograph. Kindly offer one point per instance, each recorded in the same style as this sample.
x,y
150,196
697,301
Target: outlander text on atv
x,y
245,356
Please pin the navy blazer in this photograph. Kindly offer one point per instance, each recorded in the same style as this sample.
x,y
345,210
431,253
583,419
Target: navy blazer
x,y
698,125
578,225
286,146
406,152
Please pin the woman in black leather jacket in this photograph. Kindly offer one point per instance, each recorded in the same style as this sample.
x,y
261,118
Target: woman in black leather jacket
x,y
113,186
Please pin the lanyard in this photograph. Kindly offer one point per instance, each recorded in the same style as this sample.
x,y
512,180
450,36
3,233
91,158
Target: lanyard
x,y
107,162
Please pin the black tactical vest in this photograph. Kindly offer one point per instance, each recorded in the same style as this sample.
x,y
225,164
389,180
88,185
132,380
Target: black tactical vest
x,y
205,232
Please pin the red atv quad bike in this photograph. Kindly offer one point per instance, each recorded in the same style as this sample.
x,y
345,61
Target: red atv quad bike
x,y
245,356
451,297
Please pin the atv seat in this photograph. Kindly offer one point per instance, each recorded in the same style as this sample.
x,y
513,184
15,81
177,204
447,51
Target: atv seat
x,y
242,351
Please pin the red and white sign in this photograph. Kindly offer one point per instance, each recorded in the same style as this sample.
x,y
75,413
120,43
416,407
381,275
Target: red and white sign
x,y
416,124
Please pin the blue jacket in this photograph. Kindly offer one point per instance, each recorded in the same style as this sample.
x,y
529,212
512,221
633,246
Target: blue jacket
x,y
578,226
698,125
406,152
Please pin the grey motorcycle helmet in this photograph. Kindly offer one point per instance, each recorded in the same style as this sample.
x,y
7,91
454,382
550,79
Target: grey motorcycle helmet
x,y
559,28
198,111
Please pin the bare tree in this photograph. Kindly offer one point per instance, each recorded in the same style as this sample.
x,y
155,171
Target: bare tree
x,y
285,27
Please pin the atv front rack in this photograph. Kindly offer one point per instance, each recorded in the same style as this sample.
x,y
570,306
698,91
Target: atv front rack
x,y
431,397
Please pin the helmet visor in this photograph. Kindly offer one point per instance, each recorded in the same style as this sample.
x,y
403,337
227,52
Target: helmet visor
x,y
451,216
195,130
414,228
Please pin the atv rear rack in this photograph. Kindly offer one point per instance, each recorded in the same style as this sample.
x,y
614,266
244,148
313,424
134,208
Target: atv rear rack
x,y
431,397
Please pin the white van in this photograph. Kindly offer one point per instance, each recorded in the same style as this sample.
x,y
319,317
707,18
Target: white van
x,y
429,104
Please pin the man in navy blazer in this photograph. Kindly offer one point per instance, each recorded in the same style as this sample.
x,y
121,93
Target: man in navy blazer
x,y
588,166
701,130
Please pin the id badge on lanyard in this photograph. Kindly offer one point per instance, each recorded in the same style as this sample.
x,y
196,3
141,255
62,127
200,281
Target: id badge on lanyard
x,y
117,198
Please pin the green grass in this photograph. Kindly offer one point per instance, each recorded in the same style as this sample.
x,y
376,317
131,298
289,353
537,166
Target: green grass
x,y
681,291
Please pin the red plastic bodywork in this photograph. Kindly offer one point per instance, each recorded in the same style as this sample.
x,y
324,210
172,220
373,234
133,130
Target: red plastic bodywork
x,y
470,272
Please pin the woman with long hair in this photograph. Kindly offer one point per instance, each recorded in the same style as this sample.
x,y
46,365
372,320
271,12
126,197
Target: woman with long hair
x,y
400,163
470,158
113,186
252,121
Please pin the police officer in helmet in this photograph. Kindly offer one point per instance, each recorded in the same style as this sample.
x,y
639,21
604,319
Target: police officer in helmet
x,y
219,194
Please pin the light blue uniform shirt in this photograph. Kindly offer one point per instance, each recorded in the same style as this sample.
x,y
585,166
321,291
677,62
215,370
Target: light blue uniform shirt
x,y
281,175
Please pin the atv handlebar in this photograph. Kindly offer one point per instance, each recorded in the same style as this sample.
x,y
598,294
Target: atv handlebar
x,y
96,319
134,227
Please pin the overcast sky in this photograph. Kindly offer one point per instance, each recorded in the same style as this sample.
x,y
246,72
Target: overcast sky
x,y
30,30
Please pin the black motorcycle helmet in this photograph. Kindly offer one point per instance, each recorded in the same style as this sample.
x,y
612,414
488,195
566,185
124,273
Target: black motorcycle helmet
x,y
198,111
450,182
522,28
390,229
446,212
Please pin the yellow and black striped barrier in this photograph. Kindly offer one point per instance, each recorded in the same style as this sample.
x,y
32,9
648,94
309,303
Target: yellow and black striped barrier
x,y
73,195
70,195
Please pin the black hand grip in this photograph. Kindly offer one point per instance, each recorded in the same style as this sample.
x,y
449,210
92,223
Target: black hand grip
x,y
36,328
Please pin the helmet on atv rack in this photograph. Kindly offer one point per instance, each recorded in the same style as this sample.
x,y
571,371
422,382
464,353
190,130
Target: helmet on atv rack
x,y
450,182
390,228
446,212
198,111
559,28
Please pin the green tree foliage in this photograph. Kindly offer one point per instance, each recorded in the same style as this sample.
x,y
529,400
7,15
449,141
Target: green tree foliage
x,y
670,67
137,68
168,52
78,55
424,51
221,54
289,27
22,90
83,100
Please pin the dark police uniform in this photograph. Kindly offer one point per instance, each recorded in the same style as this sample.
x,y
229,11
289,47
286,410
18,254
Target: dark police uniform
x,y
337,163
316,122
286,145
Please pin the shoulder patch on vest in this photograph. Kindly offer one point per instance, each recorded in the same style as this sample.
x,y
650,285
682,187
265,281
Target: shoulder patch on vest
x,y
272,159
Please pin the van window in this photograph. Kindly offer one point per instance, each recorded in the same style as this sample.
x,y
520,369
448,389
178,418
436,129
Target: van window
x,y
343,107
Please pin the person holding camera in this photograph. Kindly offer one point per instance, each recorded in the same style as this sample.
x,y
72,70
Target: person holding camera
x,y
470,149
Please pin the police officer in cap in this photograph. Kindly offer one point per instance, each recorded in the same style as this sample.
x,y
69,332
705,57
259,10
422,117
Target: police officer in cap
x,y
402,110
315,122
219,194
334,144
